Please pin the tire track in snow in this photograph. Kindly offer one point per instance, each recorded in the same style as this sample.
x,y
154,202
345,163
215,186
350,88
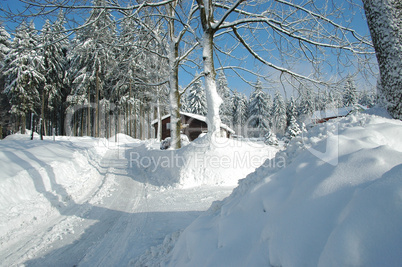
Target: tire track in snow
x,y
60,239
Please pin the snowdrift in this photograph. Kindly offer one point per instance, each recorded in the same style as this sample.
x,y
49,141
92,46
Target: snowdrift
x,y
338,202
40,178
220,161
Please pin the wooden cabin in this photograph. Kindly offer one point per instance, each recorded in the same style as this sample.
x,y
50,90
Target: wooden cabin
x,y
192,126
329,114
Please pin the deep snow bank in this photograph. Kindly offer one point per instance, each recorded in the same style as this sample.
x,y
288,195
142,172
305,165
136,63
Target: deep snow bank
x,y
338,202
220,161
40,178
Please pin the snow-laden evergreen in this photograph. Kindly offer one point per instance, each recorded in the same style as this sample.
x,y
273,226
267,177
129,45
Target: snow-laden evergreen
x,y
93,60
24,69
227,104
293,129
278,114
291,110
306,104
196,100
53,51
239,111
367,98
350,97
259,111
5,44
271,139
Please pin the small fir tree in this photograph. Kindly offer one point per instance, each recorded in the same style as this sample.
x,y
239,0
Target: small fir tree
x,y
259,110
270,139
350,93
196,100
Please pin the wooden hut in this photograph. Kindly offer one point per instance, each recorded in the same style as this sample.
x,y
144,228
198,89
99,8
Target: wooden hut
x,y
192,126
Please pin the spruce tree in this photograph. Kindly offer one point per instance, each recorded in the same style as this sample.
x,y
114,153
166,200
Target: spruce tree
x,y
306,105
93,61
5,45
24,71
279,114
53,53
290,111
196,100
293,129
226,107
239,111
367,98
350,93
259,111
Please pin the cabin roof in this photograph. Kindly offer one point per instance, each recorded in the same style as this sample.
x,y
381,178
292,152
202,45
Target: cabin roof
x,y
335,112
197,117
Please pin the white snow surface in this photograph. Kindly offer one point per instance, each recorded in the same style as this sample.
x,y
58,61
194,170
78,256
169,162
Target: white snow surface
x,y
316,211
333,197
82,201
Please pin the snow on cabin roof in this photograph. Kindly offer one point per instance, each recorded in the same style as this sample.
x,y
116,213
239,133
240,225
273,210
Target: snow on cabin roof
x,y
197,117
335,112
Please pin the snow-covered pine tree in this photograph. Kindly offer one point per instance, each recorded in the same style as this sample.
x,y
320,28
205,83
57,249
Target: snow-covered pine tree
x,y
226,107
24,73
270,138
350,93
279,114
321,100
293,129
93,59
5,44
367,98
291,111
335,100
259,111
184,106
384,19
196,99
53,50
306,105
239,111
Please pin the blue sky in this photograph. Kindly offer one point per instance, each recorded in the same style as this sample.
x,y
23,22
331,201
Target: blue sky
x,y
353,17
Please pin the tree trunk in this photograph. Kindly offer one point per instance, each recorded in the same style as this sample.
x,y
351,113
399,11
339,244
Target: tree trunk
x,y
174,94
130,112
135,120
96,119
158,116
213,99
384,18
89,113
174,98
42,115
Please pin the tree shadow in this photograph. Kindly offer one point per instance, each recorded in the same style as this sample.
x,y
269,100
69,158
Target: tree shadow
x,y
98,246
96,242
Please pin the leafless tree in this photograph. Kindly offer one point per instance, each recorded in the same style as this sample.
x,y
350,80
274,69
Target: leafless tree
x,y
303,30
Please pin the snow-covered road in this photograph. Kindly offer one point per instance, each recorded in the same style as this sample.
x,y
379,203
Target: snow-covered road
x,y
114,223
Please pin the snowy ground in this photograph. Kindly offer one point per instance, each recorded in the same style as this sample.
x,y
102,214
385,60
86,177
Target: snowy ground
x,y
333,197
94,202
338,202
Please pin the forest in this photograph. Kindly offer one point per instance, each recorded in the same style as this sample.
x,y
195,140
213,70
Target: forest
x,y
117,68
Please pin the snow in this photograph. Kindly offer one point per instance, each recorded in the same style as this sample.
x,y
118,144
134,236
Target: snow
x,y
197,117
82,201
310,213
